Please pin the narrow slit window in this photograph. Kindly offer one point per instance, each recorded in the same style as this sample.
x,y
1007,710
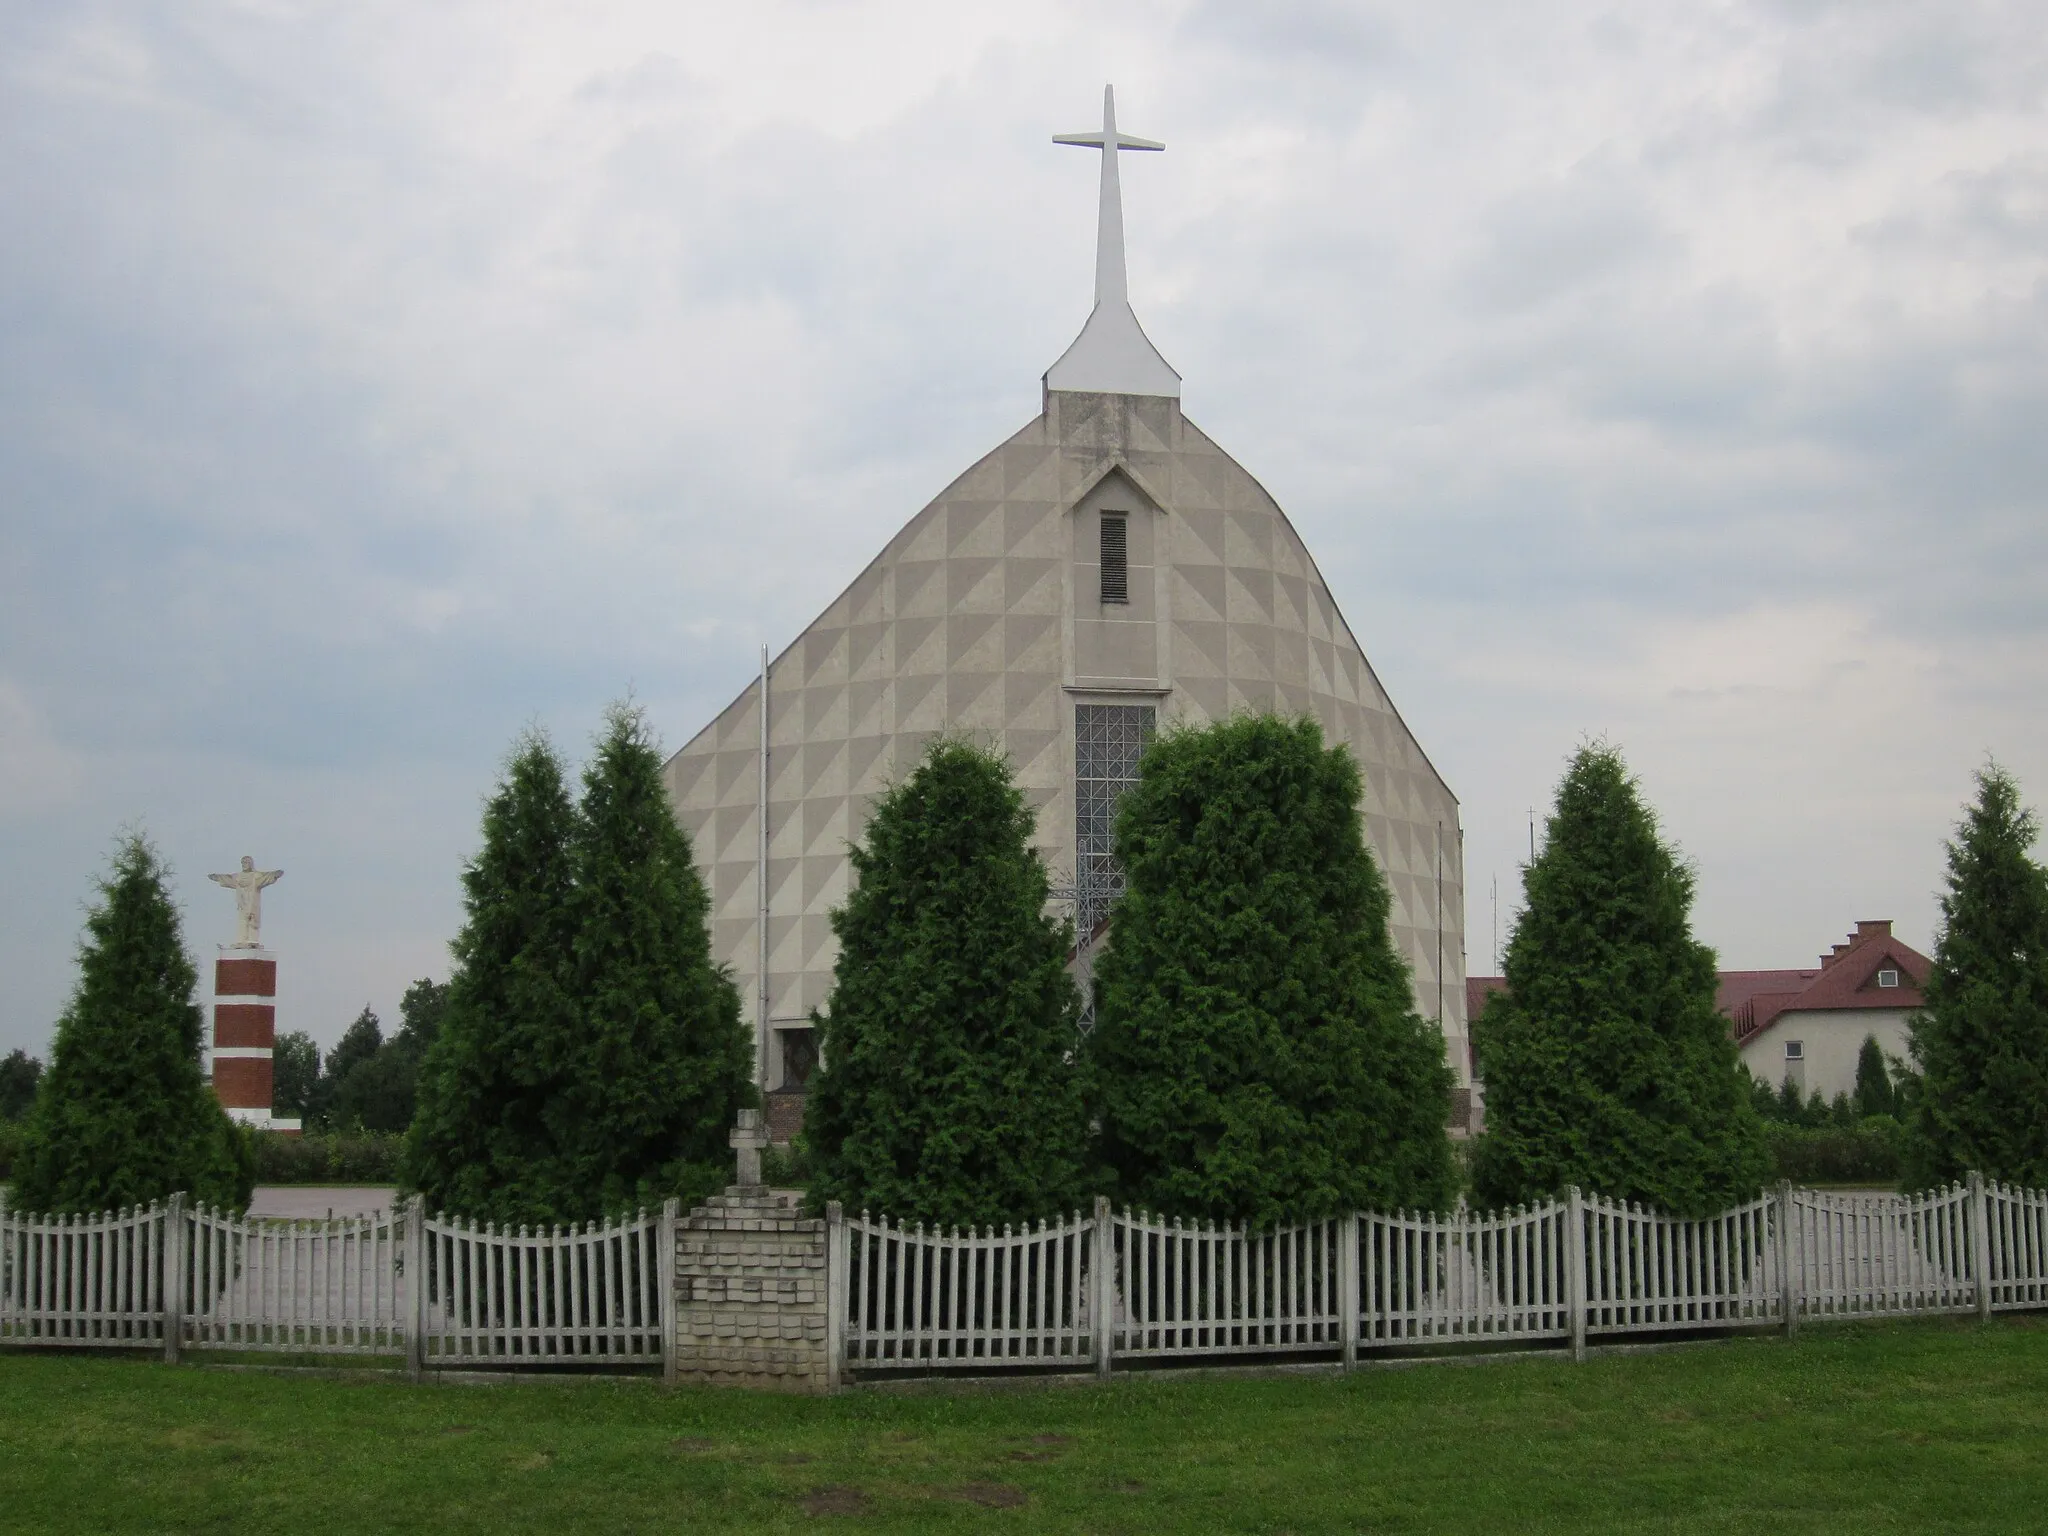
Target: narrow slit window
x,y
1116,558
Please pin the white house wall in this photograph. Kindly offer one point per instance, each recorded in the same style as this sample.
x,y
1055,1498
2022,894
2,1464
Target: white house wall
x,y
1830,1040
980,616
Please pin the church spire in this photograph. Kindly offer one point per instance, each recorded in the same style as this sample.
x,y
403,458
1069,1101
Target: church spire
x,y
1112,355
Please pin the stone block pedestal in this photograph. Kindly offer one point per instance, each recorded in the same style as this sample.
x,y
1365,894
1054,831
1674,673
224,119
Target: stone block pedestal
x,y
751,1293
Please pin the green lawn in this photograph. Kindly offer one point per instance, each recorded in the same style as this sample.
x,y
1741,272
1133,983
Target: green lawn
x,y
1922,1427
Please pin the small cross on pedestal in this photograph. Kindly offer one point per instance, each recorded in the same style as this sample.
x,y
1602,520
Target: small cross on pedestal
x,y
747,1139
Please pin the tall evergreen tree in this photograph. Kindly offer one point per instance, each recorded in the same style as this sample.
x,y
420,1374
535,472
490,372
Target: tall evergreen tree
x,y
482,1141
662,1063
1981,1041
295,1075
124,1116
948,1091
20,1075
1874,1094
1607,1064
333,1104
1258,1055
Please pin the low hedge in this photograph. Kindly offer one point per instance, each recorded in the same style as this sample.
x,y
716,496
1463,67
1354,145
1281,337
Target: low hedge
x,y
1866,1153
339,1157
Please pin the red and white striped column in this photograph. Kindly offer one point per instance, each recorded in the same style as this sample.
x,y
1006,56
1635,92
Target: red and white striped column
x,y
245,1037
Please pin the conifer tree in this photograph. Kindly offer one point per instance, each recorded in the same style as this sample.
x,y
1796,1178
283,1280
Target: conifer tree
x,y
1258,1056
662,1064
1874,1094
948,1091
20,1075
124,1116
1981,1041
295,1075
481,1142
1607,1064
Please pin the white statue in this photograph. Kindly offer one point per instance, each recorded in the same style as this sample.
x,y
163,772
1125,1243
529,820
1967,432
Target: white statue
x,y
247,883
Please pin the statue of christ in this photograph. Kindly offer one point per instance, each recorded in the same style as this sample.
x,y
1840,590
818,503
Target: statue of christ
x,y
247,883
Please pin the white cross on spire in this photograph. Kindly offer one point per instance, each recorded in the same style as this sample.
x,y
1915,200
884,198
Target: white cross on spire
x,y
1110,283
1112,355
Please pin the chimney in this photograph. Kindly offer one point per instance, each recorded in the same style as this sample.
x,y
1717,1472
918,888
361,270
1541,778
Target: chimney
x,y
1833,955
1873,928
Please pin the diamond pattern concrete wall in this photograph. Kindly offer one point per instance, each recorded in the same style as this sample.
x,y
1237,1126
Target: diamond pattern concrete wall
x,y
968,621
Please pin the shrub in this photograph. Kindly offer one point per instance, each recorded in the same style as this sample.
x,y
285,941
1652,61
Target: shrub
x,y
947,1091
1866,1153
1258,1055
1982,1041
123,1116
1607,1064
319,1157
590,1057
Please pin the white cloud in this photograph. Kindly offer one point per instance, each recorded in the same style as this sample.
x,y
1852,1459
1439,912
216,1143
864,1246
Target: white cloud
x,y
37,772
382,377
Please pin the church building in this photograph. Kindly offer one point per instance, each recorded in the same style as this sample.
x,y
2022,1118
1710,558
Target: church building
x,y
1105,572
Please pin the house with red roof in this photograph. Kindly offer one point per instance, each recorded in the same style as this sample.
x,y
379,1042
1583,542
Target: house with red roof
x,y
1809,1025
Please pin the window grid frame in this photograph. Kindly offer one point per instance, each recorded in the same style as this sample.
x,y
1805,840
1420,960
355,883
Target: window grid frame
x,y
1109,740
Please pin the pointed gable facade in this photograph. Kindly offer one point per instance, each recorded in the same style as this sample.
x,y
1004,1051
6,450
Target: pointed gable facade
x,y
1106,571
985,615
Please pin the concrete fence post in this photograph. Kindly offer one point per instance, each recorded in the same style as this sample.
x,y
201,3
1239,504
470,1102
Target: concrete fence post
x,y
1980,1243
665,1285
1788,1256
838,1264
1102,1307
416,1287
173,1296
1575,1268
1347,1287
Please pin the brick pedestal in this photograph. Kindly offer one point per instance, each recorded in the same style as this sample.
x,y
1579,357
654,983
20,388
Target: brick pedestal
x,y
750,1293
245,1036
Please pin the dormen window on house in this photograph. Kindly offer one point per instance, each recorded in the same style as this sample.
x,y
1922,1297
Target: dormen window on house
x,y
1108,741
1116,558
1887,978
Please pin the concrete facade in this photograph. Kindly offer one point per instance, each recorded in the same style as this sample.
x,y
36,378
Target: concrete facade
x,y
983,616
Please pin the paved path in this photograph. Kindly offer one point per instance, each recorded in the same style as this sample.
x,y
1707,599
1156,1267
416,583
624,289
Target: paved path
x,y
317,1200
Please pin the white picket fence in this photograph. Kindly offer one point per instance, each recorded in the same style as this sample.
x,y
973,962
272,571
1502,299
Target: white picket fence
x,y
1170,1291
85,1281
584,1294
1084,1293
951,1299
312,1287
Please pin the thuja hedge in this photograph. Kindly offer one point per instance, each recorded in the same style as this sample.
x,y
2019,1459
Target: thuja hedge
x,y
1866,1153
365,1157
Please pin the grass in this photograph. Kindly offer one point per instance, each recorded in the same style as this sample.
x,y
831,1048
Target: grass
x,y
1894,1427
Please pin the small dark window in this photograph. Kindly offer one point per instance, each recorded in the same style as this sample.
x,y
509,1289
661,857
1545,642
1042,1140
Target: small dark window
x,y
1795,1050
1116,558
799,1058
1887,978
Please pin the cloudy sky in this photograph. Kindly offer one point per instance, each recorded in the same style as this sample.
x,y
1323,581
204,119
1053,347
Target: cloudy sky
x,y
379,378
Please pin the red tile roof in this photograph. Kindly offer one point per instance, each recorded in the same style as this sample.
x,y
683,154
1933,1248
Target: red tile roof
x,y
1845,979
